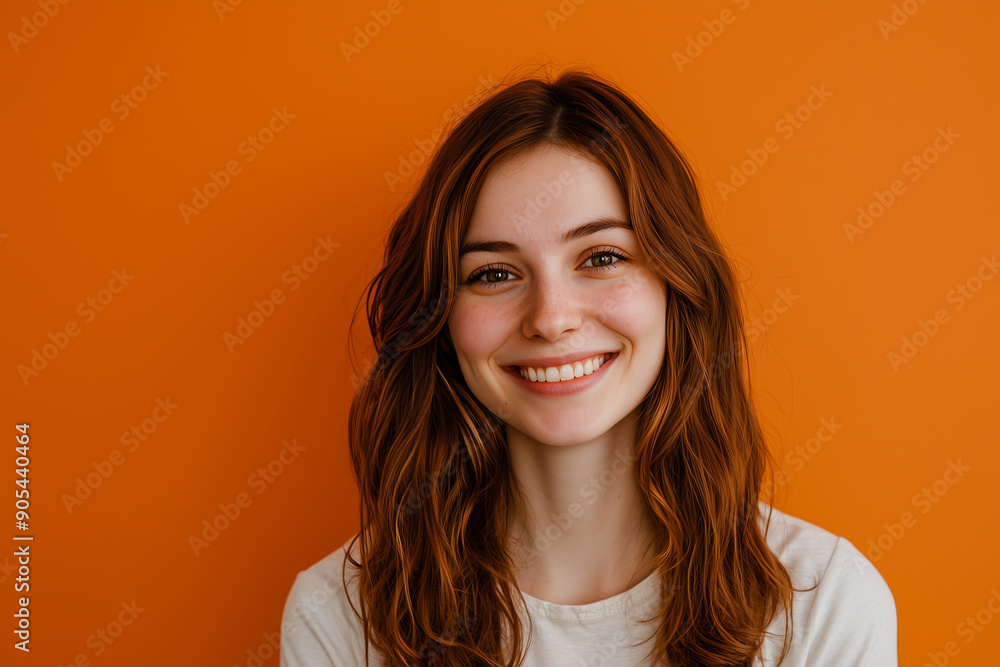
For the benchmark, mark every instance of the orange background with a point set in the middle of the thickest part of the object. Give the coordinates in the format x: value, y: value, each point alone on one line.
x: 162, y: 335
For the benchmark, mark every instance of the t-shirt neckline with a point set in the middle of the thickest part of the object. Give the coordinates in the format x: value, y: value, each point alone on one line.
x: 640, y: 594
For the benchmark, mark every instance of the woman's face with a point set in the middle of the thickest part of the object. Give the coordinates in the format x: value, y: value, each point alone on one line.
x: 551, y: 283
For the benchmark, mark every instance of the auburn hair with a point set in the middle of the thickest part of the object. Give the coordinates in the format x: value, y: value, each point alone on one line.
x: 435, y: 579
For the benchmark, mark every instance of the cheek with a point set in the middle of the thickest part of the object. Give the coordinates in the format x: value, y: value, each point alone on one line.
x: 476, y: 331
x: 638, y: 309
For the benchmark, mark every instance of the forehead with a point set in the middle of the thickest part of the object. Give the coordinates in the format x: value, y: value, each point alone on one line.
x: 546, y: 184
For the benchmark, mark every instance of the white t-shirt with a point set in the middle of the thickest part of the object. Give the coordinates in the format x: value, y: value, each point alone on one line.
x: 849, y: 619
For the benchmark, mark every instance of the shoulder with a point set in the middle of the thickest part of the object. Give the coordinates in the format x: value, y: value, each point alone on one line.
x: 849, y: 613
x: 318, y: 625
x: 813, y: 553
x: 797, y: 543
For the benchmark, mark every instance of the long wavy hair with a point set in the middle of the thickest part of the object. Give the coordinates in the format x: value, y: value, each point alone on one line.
x: 435, y: 571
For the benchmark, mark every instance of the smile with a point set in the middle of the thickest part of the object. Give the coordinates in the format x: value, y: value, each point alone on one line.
x: 565, y: 372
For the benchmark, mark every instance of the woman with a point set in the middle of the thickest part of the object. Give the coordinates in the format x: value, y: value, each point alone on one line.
x: 557, y: 453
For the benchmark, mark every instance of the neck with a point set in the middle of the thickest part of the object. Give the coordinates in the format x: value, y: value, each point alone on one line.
x: 581, y: 533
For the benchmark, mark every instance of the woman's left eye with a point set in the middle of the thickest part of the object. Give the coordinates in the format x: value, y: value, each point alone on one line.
x: 606, y: 253
x: 601, y: 259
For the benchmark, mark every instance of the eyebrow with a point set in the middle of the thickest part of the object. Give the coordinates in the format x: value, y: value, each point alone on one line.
x: 586, y: 229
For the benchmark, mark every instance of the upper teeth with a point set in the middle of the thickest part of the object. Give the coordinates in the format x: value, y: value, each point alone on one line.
x: 564, y: 372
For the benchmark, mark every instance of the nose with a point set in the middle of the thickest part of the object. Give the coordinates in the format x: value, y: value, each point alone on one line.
x: 552, y: 310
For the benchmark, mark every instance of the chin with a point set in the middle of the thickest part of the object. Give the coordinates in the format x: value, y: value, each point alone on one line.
x: 562, y: 438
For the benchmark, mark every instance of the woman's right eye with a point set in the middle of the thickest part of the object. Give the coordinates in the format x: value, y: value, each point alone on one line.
x: 490, y: 272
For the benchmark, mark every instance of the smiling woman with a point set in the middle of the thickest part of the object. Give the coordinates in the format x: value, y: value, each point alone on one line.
x: 562, y: 464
